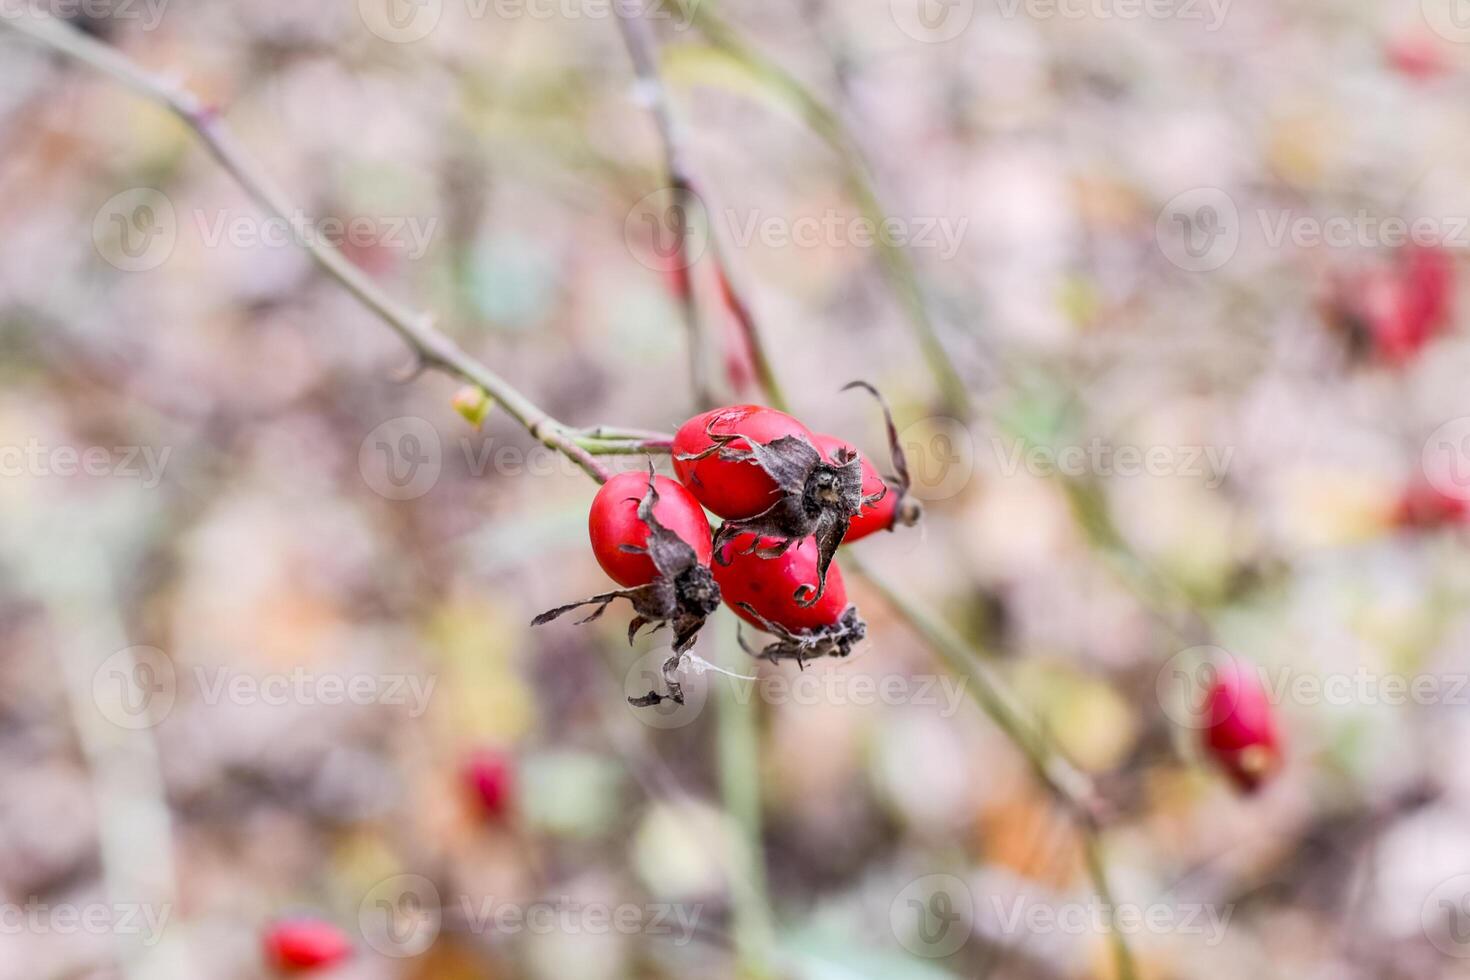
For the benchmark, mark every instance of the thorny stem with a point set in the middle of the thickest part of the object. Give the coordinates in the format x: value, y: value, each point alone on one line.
x: 433, y: 348
x: 1071, y: 787
x: 643, y: 49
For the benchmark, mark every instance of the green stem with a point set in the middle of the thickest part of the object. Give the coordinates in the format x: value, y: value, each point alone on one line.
x: 1072, y: 787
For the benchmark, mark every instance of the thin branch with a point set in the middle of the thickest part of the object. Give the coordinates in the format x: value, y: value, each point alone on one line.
x: 1072, y: 787
x: 897, y: 265
x: 638, y: 39
x: 433, y: 348
x: 643, y: 49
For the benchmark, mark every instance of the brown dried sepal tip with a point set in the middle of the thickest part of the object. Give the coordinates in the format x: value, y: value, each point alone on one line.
x: 907, y: 510
x: 681, y: 596
x: 836, y: 640
x: 818, y: 499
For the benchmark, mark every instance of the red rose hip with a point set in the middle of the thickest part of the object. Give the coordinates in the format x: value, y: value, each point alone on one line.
x: 732, y: 489
x: 1240, y: 731
x: 304, y: 945
x: 613, y: 525
x: 489, y: 779
x: 763, y: 591
x: 891, y: 505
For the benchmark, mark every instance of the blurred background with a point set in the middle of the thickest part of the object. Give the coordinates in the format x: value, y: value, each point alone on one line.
x: 1165, y: 295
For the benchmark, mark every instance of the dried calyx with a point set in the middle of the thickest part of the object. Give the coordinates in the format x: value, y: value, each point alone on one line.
x: 907, y: 510
x: 836, y: 640
x: 818, y: 498
x: 681, y: 596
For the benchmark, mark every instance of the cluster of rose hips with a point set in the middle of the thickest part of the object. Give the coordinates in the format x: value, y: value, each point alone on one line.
x: 789, y: 497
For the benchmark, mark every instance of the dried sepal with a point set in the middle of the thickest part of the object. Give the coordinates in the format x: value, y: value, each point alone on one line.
x: 676, y: 690
x: 836, y: 640
x: 819, y: 497
x: 908, y: 511
x: 681, y: 596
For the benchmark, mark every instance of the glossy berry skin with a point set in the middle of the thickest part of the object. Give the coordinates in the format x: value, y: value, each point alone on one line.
x: 768, y: 585
x: 489, y: 779
x: 614, y: 522
x: 733, y: 490
x: 873, y: 517
x: 1240, y: 725
x: 305, y: 945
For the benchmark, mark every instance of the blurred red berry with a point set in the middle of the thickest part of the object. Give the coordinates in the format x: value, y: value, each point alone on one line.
x: 1423, y: 506
x: 490, y: 778
x: 1391, y: 313
x: 614, y: 526
x: 1416, y: 55
x: 1240, y: 725
x: 762, y: 591
x: 303, y: 945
